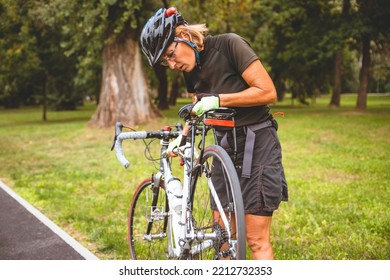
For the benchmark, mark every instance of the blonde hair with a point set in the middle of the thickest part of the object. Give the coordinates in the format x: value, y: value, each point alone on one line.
x: 196, y: 32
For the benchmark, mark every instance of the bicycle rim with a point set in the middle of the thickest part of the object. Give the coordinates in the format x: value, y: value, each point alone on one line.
x: 147, y: 226
x: 224, y: 225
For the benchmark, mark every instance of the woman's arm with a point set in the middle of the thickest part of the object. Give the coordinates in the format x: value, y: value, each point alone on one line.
x: 261, y: 89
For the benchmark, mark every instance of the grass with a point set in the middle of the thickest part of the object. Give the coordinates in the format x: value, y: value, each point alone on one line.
x: 336, y: 163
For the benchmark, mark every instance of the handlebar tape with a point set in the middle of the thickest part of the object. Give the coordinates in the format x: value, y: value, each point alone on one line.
x: 118, y: 145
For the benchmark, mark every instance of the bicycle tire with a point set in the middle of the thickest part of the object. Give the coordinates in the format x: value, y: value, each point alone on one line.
x: 224, y: 247
x: 147, y: 222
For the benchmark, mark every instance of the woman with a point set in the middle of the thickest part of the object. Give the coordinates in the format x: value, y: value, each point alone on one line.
x: 224, y: 71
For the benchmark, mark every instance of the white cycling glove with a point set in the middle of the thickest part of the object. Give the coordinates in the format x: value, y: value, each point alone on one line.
x: 175, y: 144
x: 205, y: 104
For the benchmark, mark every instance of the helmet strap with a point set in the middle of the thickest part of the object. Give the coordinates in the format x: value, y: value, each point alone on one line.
x: 193, y: 46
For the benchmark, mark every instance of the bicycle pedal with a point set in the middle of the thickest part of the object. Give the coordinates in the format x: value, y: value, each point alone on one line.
x: 155, y: 214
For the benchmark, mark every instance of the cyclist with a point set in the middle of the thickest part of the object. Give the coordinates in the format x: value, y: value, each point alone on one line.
x: 224, y: 71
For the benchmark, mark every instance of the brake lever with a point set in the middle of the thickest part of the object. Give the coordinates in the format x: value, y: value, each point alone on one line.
x: 179, y: 126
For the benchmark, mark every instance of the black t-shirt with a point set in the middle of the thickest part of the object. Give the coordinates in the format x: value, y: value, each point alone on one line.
x: 224, y: 58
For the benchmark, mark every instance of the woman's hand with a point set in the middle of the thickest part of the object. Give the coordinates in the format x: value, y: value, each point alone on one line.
x: 174, y: 145
x: 178, y: 142
x: 205, y: 104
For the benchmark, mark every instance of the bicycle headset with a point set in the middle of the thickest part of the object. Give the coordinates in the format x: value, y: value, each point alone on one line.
x: 159, y: 32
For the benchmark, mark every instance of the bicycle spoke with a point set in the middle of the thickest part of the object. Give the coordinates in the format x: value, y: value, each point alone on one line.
x: 148, y: 221
x: 214, y: 208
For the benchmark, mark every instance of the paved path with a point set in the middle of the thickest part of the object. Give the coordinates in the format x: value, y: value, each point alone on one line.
x: 26, y: 234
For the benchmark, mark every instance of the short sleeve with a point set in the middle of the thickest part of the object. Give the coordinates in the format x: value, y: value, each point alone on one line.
x: 240, y: 52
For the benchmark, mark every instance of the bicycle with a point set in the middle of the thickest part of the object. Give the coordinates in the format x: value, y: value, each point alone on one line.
x: 190, y: 220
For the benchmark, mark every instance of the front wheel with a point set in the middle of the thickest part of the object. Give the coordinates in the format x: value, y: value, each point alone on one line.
x: 148, y: 223
x: 217, y: 208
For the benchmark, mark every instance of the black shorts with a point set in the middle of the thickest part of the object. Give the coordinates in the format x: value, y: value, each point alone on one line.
x: 267, y: 187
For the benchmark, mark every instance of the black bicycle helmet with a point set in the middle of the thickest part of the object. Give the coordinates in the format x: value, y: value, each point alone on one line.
x: 159, y: 32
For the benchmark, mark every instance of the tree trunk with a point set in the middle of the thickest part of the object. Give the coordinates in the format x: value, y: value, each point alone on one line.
x: 45, y: 94
x: 175, y: 88
x: 280, y: 90
x: 364, y: 73
x: 345, y: 19
x: 124, y: 95
x: 280, y: 87
x: 162, y: 99
x: 335, y: 100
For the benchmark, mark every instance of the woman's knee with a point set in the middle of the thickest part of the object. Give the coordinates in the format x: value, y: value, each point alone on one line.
x: 258, y: 230
x: 256, y: 241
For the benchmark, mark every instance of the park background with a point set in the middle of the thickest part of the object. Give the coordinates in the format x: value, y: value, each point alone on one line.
x: 70, y: 69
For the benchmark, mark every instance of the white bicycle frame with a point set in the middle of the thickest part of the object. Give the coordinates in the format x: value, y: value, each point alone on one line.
x: 180, y: 229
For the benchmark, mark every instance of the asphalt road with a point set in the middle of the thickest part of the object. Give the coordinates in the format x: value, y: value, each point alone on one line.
x: 26, y: 234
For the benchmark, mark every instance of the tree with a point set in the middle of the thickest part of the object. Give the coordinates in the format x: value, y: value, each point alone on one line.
x: 57, y: 71
x: 373, y: 15
x: 380, y: 68
x: 299, y: 45
x: 18, y: 58
x: 365, y: 10
x: 104, y: 34
x: 162, y: 90
x: 124, y: 95
x: 364, y: 72
x: 343, y: 21
x: 34, y: 68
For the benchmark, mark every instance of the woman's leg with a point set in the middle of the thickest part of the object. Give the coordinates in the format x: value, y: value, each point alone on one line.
x: 258, y: 236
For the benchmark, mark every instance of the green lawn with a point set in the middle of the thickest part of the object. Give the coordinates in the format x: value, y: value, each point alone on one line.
x: 336, y: 162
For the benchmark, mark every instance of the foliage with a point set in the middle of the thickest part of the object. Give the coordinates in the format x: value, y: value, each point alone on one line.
x: 58, y: 42
x: 296, y: 40
x: 380, y: 74
x: 34, y: 63
x: 19, y: 63
x: 57, y: 45
x: 87, y: 27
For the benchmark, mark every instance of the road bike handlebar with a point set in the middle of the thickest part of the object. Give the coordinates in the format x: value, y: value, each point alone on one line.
x: 118, y: 144
x: 215, y: 117
x: 165, y: 134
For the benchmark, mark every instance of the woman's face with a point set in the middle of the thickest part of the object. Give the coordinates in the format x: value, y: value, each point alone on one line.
x: 180, y: 56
